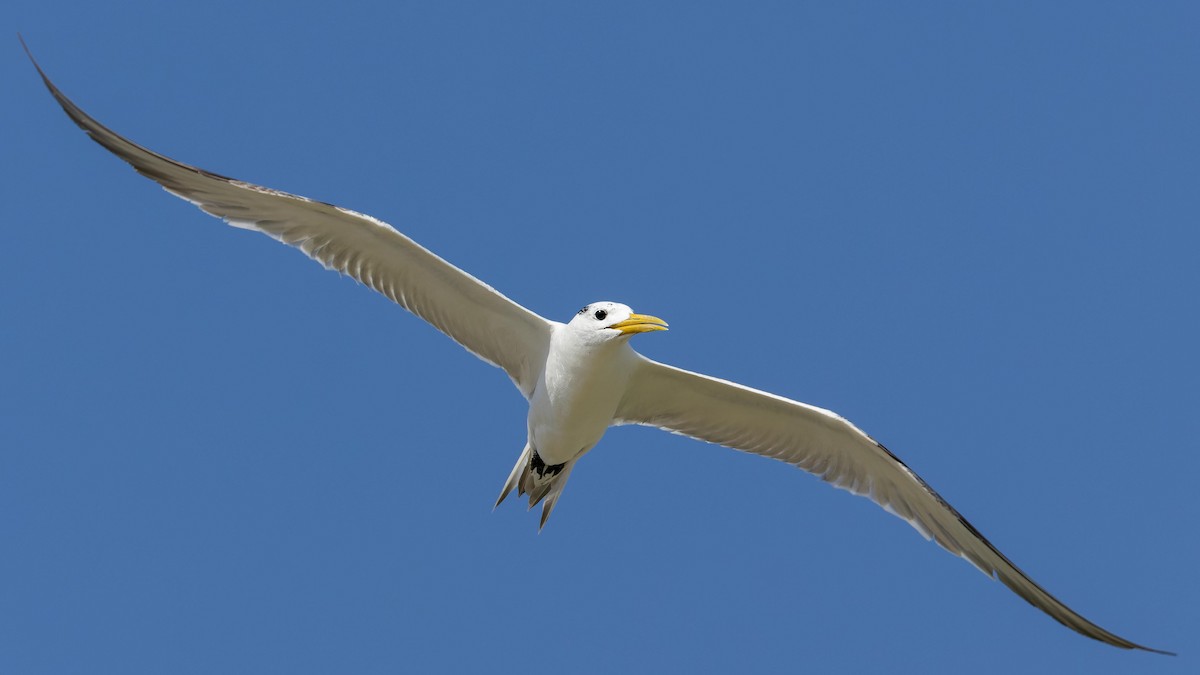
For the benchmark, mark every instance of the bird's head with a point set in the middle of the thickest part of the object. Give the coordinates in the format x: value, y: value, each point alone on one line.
x: 614, y: 320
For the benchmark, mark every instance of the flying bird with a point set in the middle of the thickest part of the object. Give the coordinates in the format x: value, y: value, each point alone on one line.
x: 582, y: 377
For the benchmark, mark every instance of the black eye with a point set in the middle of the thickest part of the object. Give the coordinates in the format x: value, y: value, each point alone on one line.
x: 600, y: 314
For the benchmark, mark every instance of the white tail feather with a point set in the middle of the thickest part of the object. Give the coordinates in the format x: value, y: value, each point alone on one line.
x: 544, y: 487
x: 514, y: 478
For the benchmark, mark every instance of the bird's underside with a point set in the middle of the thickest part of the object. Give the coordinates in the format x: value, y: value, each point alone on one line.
x: 635, y: 390
x: 542, y: 482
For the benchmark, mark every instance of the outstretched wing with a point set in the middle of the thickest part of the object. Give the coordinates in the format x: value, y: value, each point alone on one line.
x: 472, y: 313
x: 827, y: 445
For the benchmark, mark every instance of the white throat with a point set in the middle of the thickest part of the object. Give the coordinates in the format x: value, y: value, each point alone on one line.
x: 578, y: 392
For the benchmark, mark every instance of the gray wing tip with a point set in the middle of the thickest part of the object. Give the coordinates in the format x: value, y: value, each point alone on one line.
x: 141, y: 158
x: 1055, y: 609
x: 1155, y: 651
x: 1152, y: 650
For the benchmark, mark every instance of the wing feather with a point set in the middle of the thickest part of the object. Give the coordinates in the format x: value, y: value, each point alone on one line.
x: 825, y: 444
x: 486, y: 323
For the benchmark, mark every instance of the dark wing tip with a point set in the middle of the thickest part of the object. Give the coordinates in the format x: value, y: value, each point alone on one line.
x: 1154, y: 651
x: 147, y: 162
x: 1071, y: 619
x: 46, y: 80
x: 99, y: 133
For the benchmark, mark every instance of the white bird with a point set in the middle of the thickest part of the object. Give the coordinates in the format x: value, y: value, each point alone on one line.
x: 582, y: 377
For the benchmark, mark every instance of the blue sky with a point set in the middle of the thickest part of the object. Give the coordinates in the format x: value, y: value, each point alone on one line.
x: 969, y: 227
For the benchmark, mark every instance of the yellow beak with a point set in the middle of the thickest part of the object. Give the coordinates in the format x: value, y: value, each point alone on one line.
x: 640, y: 323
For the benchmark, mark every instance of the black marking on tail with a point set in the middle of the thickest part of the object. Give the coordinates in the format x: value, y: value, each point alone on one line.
x: 541, y: 468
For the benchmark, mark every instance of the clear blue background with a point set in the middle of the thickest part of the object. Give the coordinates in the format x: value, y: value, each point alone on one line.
x: 972, y: 228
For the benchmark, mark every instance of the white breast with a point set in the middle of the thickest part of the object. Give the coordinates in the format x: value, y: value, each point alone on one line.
x: 577, y: 394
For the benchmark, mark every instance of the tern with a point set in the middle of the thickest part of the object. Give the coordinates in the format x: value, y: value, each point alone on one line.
x: 582, y: 377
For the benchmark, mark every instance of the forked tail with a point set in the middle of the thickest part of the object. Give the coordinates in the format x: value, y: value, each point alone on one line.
x: 543, y: 482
